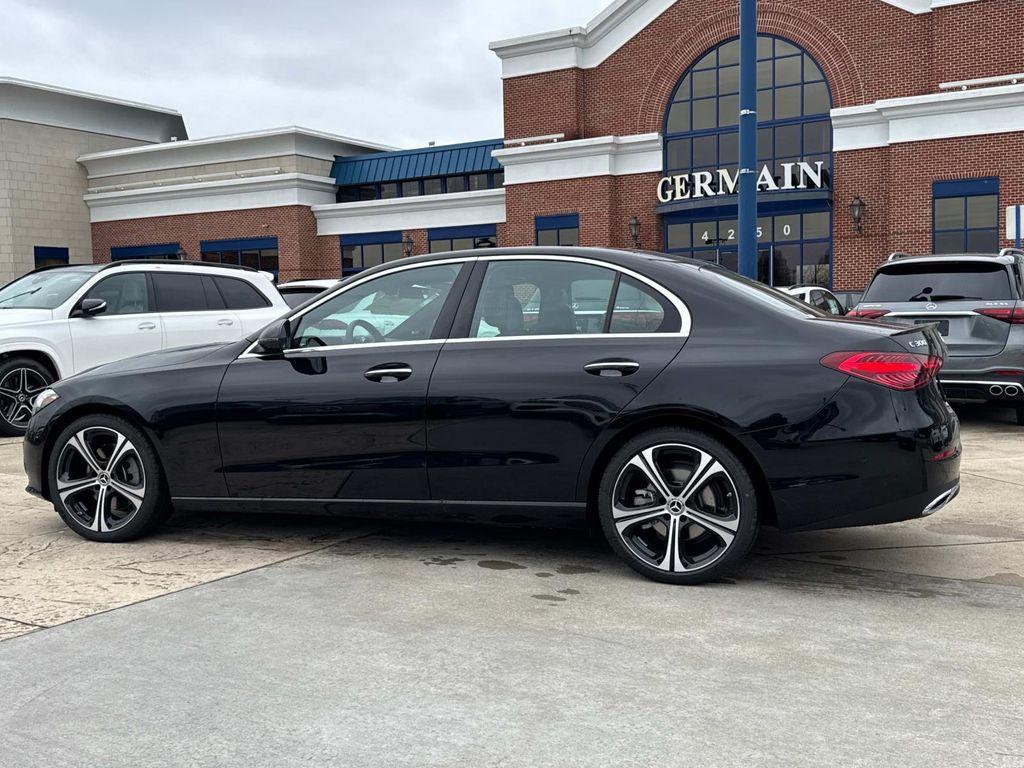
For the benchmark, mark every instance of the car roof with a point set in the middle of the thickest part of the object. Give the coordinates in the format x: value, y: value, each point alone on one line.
x: 308, y: 284
x: 938, y: 258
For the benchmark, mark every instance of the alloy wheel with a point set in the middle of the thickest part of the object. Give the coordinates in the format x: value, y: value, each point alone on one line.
x: 17, y: 390
x: 101, y: 480
x: 676, y: 508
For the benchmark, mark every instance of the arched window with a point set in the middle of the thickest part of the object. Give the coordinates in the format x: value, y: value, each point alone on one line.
x: 701, y: 135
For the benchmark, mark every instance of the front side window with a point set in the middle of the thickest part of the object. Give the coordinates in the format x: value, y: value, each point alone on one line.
x: 43, y: 290
x: 125, y: 294
x: 400, y: 306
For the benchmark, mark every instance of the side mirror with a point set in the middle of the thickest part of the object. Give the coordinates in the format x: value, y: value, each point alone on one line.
x: 273, y: 339
x: 90, y: 308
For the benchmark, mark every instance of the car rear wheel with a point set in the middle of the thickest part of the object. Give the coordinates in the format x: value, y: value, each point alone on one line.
x: 106, y: 481
x: 678, y: 506
x: 21, y: 379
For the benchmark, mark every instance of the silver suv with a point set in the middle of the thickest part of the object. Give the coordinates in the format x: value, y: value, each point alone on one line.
x: 977, y: 302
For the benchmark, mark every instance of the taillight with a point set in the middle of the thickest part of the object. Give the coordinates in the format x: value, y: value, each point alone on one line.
x: 897, y: 370
x: 1013, y: 316
x: 868, y: 314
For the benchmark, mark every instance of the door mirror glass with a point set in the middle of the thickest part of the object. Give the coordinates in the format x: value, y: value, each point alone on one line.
x: 400, y: 306
x: 274, y: 338
x: 90, y: 308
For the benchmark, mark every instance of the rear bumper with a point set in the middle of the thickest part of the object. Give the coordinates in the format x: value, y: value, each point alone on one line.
x: 1001, y: 387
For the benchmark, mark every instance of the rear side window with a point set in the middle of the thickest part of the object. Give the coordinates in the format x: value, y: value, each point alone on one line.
x: 179, y: 292
x: 947, y: 281
x: 239, y: 294
x: 638, y: 309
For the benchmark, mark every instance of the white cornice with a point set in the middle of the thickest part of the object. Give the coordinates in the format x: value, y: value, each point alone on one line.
x: 205, y: 197
x: 977, y: 112
x: 586, y: 47
x: 52, y: 105
x: 252, y: 145
x: 602, y: 156
x: 460, y: 209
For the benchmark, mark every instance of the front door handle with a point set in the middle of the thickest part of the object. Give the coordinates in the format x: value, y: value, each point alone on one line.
x: 147, y: 326
x: 612, y: 367
x: 225, y: 321
x: 389, y: 372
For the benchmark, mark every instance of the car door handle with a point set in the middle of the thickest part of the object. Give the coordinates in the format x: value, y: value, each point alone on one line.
x: 147, y: 326
x: 389, y: 372
x: 225, y: 321
x: 612, y: 367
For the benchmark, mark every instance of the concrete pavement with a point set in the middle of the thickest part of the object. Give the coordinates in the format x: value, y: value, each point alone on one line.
x: 278, y: 641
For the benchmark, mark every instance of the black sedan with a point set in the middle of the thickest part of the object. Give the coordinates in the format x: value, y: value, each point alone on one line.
x: 669, y: 401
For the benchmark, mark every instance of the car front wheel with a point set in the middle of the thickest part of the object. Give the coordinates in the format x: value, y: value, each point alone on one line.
x: 21, y: 379
x: 678, y: 506
x: 106, y: 481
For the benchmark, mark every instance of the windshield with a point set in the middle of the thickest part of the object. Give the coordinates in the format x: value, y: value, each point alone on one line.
x: 43, y: 290
x: 931, y: 282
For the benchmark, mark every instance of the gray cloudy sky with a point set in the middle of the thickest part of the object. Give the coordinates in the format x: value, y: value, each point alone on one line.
x: 402, y: 72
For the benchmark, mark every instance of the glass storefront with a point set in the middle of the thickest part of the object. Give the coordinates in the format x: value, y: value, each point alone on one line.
x: 701, y: 143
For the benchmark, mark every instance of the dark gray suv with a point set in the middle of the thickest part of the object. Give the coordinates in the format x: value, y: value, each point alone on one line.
x: 977, y: 302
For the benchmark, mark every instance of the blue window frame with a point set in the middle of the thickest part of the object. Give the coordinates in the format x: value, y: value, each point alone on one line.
x: 558, y: 230
x: 428, y: 185
x: 965, y: 216
x: 50, y: 256
x: 702, y: 134
x: 442, y: 239
x: 359, y: 252
x: 153, y: 251
x: 256, y: 252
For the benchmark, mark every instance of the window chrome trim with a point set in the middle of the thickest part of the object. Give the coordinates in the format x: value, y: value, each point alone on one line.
x: 685, y: 321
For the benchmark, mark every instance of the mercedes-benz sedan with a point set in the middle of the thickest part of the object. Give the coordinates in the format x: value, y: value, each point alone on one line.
x: 693, y: 407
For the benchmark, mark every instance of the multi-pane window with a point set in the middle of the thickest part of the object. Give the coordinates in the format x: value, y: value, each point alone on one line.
x: 558, y: 230
x: 444, y: 239
x: 965, y: 216
x: 50, y: 256
x: 434, y: 185
x: 793, y: 104
x: 360, y: 252
x: 257, y: 253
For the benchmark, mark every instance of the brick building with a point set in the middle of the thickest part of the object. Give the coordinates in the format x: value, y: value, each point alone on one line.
x: 912, y: 108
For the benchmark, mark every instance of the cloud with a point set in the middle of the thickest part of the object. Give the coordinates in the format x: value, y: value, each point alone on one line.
x: 395, y: 71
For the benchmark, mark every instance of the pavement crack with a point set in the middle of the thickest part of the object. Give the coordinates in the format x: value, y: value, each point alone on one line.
x: 23, y: 623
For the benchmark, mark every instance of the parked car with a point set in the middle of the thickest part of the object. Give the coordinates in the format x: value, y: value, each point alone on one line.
x: 296, y: 292
x: 740, y: 406
x: 816, y: 296
x: 976, y: 302
x: 58, y: 321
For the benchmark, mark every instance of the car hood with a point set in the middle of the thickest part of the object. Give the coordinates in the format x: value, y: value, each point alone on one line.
x: 21, y: 316
x: 170, y: 358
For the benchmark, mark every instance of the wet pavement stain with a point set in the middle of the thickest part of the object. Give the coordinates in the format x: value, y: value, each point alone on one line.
x: 573, y: 570
x: 1006, y: 579
x: 549, y: 598
x: 568, y: 591
x: 988, y: 531
x: 442, y: 560
x: 543, y: 575
x: 501, y: 565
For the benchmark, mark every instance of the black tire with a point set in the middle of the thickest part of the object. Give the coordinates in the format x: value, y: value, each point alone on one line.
x: 124, y: 518
x: 731, y: 491
x: 21, y: 379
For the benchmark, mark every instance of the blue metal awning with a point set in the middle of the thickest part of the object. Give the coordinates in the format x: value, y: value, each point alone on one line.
x: 454, y: 159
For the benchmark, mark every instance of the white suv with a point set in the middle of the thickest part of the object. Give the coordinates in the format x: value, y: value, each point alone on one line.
x: 55, y: 322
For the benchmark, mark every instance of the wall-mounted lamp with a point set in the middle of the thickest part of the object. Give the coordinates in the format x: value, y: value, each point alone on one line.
x: 407, y: 246
x: 857, y: 208
x: 634, y: 231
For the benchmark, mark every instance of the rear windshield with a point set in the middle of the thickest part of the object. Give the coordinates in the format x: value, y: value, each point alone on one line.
x: 953, y: 281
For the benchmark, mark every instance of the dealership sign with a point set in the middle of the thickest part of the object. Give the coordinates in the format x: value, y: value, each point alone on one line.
x: 702, y: 183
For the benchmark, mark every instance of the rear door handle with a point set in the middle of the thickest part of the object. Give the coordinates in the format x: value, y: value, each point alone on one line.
x: 389, y: 372
x: 147, y: 326
x: 225, y: 321
x: 612, y: 367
